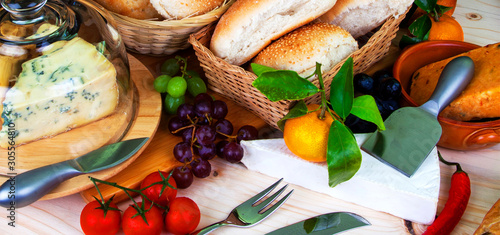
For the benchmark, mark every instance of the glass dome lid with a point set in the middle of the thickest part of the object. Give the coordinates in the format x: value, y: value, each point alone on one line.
x: 36, y: 22
x: 64, y: 79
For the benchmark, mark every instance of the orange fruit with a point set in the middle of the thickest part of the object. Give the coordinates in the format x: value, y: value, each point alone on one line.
x: 446, y: 28
x: 307, y: 136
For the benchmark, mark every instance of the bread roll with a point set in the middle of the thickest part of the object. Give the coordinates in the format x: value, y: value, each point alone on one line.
x: 361, y: 16
x: 178, y: 9
x: 138, y: 9
x: 249, y: 26
x: 300, y: 49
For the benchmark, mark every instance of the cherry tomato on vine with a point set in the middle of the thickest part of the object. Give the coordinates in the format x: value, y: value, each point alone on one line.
x: 159, y: 193
x: 100, y: 219
x: 134, y: 224
x: 183, y: 216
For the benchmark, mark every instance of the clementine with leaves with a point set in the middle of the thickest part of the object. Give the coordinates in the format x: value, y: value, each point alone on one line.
x: 452, y: 4
x: 433, y: 21
x: 316, y: 132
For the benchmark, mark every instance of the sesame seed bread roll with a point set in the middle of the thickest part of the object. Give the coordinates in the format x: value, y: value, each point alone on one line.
x: 300, y: 49
x: 179, y: 9
x: 359, y: 17
x: 249, y: 26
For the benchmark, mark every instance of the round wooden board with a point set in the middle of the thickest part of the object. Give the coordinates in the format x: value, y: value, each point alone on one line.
x: 145, y: 124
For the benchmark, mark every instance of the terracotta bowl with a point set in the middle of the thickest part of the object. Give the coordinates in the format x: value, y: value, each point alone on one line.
x: 456, y: 134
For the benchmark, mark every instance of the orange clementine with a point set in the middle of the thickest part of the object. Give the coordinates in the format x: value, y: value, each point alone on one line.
x: 446, y: 28
x: 307, y: 136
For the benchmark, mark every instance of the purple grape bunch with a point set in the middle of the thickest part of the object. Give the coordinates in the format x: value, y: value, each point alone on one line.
x: 205, y: 134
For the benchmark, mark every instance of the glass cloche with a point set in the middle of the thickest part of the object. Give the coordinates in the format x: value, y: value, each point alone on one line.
x: 64, y: 79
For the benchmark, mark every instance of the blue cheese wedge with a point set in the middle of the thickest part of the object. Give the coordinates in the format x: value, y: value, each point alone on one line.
x: 375, y: 186
x: 71, y: 84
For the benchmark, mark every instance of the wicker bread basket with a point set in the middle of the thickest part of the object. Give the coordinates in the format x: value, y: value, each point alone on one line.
x: 157, y: 38
x: 235, y: 83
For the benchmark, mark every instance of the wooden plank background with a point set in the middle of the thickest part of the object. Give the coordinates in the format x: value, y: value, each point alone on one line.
x: 217, y: 195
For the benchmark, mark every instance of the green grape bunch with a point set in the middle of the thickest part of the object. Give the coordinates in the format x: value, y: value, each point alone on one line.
x: 175, y: 81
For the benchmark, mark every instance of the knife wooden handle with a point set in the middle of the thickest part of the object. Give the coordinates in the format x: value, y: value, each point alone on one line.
x: 23, y: 189
x: 455, y: 76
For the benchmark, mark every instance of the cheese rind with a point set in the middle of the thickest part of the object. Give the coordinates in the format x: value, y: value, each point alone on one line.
x: 70, y: 85
x: 375, y: 186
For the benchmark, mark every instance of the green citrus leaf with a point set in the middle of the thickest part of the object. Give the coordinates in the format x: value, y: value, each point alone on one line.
x: 426, y: 5
x: 260, y: 69
x: 421, y: 26
x: 408, y: 41
x: 284, y: 85
x: 426, y: 36
x: 442, y: 9
x: 342, y: 90
x: 342, y: 155
x: 366, y: 108
x: 299, y: 109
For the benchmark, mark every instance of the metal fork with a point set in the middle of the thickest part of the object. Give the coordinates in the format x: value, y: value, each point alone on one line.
x: 249, y: 212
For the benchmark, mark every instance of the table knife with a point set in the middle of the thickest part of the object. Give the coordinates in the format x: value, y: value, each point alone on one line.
x: 23, y: 189
x: 325, y: 224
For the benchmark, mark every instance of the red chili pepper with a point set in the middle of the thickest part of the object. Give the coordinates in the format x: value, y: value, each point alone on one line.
x: 454, y: 208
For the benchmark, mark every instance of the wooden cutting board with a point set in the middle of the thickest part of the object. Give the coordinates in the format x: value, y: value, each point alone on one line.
x: 144, y: 124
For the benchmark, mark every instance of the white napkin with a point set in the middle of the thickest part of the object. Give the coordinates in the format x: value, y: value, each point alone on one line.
x: 375, y: 186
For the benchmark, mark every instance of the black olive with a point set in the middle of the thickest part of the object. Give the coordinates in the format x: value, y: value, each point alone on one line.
x: 351, y: 120
x: 363, y: 83
x: 379, y: 75
x: 358, y: 125
x: 389, y: 88
x: 388, y: 106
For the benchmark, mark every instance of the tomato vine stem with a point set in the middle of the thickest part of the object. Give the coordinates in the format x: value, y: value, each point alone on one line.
x: 128, y: 190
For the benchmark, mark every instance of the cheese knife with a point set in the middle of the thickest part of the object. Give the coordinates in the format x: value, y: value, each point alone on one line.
x: 23, y: 189
x: 326, y: 224
x: 412, y: 132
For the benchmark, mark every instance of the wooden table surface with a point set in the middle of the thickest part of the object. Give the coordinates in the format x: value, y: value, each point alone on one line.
x: 218, y: 194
